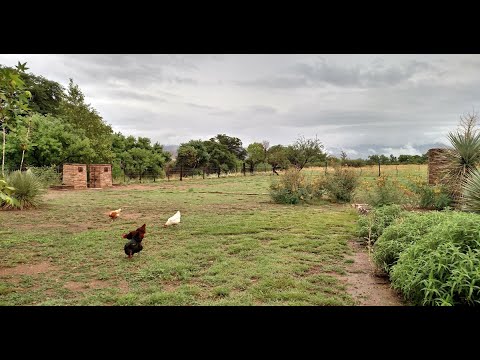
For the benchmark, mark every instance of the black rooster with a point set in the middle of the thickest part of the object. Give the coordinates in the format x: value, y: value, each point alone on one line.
x: 135, y: 241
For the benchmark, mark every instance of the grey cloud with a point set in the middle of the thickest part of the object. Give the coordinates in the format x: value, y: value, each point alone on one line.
x: 322, y: 73
x: 261, y: 109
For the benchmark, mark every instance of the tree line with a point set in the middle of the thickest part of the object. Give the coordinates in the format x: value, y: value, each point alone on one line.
x: 45, y: 124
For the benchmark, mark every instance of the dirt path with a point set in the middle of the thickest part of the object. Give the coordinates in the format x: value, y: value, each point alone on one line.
x: 365, y: 285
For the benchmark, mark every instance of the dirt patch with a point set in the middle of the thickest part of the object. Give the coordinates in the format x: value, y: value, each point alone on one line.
x: 26, y: 269
x: 79, y: 286
x: 364, y: 284
x: 123, y: 286
x: 171, y: 286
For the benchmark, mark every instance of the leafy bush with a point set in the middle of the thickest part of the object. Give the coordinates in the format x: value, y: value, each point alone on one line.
x: 28, y: 189
x: 443, y: 266
x: 341, y: 185
x: 47, y: 175
x: 435, y: 197
x: 403, y: 233
x: 373, y: 225
x: 6, y: 200
x: 387, y: 191
x: 291, y: 188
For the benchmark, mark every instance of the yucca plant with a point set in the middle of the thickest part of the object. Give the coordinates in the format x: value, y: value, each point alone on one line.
x: 459, y: 161
x: 471, y: 192
x: 28, y: 189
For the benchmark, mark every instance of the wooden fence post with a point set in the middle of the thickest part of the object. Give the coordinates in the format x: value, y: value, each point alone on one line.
x: 181, y: 172
x: 379, y: 167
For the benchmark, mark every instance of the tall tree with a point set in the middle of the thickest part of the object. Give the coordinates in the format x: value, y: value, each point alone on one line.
x: 82, y: 116
x: 233, y: 144
x: 13, y: 100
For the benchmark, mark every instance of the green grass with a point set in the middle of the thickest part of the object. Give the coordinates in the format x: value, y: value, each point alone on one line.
x: 232, y: 247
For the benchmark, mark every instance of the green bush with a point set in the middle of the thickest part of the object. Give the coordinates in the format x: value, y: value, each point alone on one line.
x: 47, y: 175
x: 372, y: 226
x: 291, y: 188
x: 435, y: 197
x: 400, y: 235
x: 341, y: 185
x: 442, y: 267
x: 386, y: 191
x: 28, y: 189
x: 6, y: 200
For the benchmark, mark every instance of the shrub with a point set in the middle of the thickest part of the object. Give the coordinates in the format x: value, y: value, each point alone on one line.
x: 400, y: 235
x: 291, y: 188
x: 340, y: 185
x: 6, y: 200
x: 387, y: 191
x: 373, y: 225
x: 28, y: 189
x: 442, y: 267
x: 435, y: 197
x: 47, y: 175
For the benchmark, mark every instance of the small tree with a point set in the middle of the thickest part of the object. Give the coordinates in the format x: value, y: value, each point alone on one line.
x: 343, y: 156
x: 13, y: 100
x: 305, y: 150
x: 255, y: 155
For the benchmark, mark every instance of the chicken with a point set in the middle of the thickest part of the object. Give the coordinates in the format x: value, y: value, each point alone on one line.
x: 174, y: 220
x: 114, y: 214
x: 134, y: 244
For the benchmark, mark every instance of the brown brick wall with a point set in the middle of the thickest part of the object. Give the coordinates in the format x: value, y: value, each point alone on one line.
x: 73, y: 177
x: 100, y: 175
x: 434, y: 165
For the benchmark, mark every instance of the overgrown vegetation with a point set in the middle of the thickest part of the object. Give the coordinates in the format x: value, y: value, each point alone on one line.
x: 292, y: 187
x: 340, y: 186
x: 372, y: 225
x: 404, y: 232
x: 442, y: 267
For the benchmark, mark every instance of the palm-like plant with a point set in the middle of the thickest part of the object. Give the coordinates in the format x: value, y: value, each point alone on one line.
x: 28, y: 189
x: 459, y: 161
x: 471, y: 192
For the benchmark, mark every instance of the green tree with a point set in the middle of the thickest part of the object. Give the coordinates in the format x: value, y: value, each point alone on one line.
x: 82, y: 116
x: 277, y: 157
x: 255, y: 155
x: 233, y: 144
x: 304, y: 151
x: 220, y: 158
x: 13, y: 101
x: 193, y: 154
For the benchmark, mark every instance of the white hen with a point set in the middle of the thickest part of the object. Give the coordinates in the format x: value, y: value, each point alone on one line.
x: 174, y: 220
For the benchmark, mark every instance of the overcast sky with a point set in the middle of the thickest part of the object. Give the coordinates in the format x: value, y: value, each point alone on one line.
x: 377, y: 103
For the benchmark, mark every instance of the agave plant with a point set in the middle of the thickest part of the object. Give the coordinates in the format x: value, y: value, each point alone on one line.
x: 28, y: 189
x: 471, y: 192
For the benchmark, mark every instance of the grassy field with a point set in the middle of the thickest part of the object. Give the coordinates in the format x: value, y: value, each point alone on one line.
x: 233, y: 247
